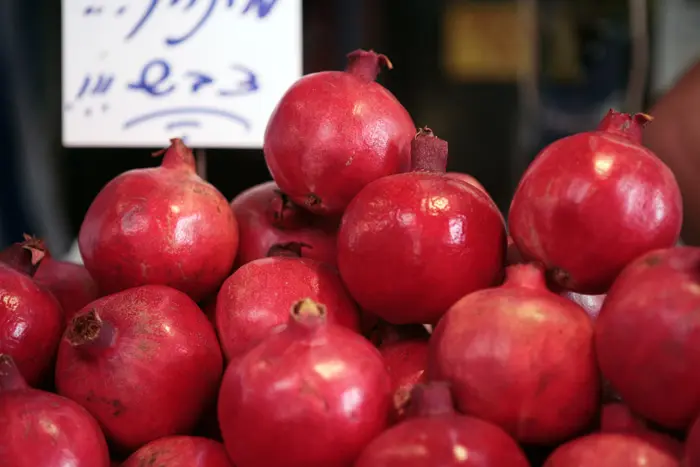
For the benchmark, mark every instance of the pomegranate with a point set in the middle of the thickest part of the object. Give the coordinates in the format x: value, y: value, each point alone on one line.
x: 406, y: 359
x: 410, y: 245
x: 513, y: 256
x: 31, y: 319
x: 312, y: 395
x: 267, y: 217
x: 467, y: 179
x: 257, y: 298
x: 618, y: 418
x: 40, y: 429
x: 610, y: 450
x: 520, y: 356
x: 70, y: 283
x: 162, y: 225
x: 384, y: 333
x: 333, y: 132
x: 592, y: 202
x: 180, y: 451
x: 647, y: 336
x: 144, y: 362
x: 436, y: 435
x: 692, y: 446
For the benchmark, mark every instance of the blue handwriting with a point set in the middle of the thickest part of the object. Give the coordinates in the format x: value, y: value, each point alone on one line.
x: 262, y: 8
x: 157, y: 80
x: 95, y: 87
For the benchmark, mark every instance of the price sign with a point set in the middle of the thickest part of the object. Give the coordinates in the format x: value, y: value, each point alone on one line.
x: 138, y: 72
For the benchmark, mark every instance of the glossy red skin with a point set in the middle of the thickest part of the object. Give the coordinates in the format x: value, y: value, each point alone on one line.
x: 654, y: 368
x: 535, y: 376
x: 406, y: 362
x: 618, y: 418
x: 258, y: 297
x: 610, y: 450
x: 408, y: 259
x: 180, y: 451
x: 591, y: 203
x: 692, y: 446
x: 467, y: 179
x: 159, y: 226
x: 513, y: 256
x: 331, y: 134
x: 258, y: 233
x: 40, y: 429
x: 436, y: 441
x: 31, y: 324
x: 158, y: 377
x: 305, y: 397
x: 70, y: 283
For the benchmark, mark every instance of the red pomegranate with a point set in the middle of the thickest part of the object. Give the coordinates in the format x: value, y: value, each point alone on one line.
x: 592, y: 202
x: 310, y: 395
x: 406, y: 359
x: 334, y: 132
x: 520, y: 356
x: 654, y: 366
x: 435, y: 435
x: 610, y: 450
x: 162, y: 225
x: 513, y: 256
x: 31, y: 319
x: 40, y: 429
x: 467, y: 179
x: 180, y: 451
x: 410, y: 245
x: 618, y: 418
x: 267, y: 217
x: 144, y: 362
x: 257, y: 297
x: 692, y: 446
x: 70, y: 283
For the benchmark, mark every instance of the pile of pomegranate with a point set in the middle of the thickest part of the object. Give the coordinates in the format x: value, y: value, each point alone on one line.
x: 291, y: 326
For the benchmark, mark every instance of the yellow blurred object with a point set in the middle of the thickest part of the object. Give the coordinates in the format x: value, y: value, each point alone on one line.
x: 489, y: 42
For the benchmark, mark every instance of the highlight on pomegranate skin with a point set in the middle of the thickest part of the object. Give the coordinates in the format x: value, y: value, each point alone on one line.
x: 333, y: 132
x: 592, y: 202
x: 162, y: 226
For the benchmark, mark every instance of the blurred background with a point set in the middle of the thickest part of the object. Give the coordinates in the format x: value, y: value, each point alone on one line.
x: 498, y: 79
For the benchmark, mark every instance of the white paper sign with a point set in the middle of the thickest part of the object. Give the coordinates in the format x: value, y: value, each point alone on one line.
x: 138, y: 72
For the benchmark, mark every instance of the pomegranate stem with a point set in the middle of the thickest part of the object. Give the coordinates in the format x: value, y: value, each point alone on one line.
x: 284, y: 214
x: 428, y: 152
x: 10, y: 377
x: 90, y: 334
x: 366, y: 65
x: 529, y: 275
x: 625, y: 125
x: 431, y: 399
x: 177, y: 156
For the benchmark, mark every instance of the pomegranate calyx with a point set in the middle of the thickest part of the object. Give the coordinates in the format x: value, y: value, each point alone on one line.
x: 308, y: 313
x: 429, y: 400
x: 428, y: 152
x: 177, y: 156
x: 625, y: 125
x: 528, y: 275
x: 90, y: 333
x: 289, y: 249
x: 10, y: 377
x: 283, y: 214
x: 366, y: 65
x: 25, y: 256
